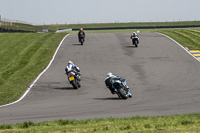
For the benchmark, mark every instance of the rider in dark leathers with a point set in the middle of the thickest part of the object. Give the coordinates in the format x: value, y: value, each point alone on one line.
x: 81, y: 32
x: 109, y: 80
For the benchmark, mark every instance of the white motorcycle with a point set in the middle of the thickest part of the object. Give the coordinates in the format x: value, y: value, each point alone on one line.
x: 135, y: 40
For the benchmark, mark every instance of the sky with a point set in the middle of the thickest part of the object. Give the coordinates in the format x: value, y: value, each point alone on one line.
x: 39, y: 12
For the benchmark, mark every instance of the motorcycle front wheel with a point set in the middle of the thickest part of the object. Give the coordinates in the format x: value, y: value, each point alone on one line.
x: 122, y: 92
x: 79, y: 84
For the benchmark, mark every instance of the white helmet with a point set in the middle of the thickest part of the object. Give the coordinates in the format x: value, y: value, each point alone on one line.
x: 69, y: 62
x: 109, y: 74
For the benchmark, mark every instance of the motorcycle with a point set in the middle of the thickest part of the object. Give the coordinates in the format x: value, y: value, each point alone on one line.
x: 135, y: 41
x: 120, y: 89
x: 81, y: 39
x: 74, y: 79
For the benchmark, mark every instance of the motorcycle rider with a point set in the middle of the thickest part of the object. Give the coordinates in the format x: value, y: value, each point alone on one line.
x: 72, y: 67
x: 109, y: 80
x: 134, y: 35
x: 81, y: 32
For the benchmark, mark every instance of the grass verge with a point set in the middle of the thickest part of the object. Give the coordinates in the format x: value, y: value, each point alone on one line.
x: 168, y: 124
x: 105, y: 25
x: 188, y: 37
x: 21, y: 26
x: 53, y: 28
x: 22, y: 57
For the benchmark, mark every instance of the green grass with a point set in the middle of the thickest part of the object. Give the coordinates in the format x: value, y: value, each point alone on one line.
x: 103, y: 25
x: 189, y: 38
x: 53, y: 28
x: 167, y: 124
x: 20, y: 26
x: 22, y: 57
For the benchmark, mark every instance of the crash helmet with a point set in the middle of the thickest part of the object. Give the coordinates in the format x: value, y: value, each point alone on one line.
x: 69, y: 62
x: 109, y: 74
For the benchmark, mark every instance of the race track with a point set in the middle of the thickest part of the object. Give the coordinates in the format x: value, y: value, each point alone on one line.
x: 163, y: 77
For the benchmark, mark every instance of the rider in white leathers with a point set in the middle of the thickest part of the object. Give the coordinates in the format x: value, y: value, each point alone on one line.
x: 134, y: 35
x: 72, y: 67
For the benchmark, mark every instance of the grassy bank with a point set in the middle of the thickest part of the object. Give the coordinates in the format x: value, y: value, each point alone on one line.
x: 22, y: 57
x: 168, y: 124
x: 53, y: 28
x: 187, y: 37
x: 21, y: 26
x: 104, y: 25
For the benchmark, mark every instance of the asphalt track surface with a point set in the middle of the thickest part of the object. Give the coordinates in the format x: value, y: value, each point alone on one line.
x: 163, y: 77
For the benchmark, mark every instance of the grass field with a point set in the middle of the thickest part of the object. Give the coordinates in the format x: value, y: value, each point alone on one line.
x: 24, y: 55
x: 53, y: 28
x: 168, y: 124
x: 20, y: 26
x: 104, y: 25
x: 189, y: 38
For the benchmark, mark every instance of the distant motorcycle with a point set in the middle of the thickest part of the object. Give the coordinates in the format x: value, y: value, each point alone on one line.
x: 81, y: 39
x: 135, y: 40
x: 120, y: 88
x: 74, y: 79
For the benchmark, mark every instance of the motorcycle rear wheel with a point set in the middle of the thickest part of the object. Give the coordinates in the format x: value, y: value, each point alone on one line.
x: 74, y: 84
x: 136, y: 43
x: 81, y: 41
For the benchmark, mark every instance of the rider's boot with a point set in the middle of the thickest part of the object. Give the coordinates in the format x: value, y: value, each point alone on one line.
x: 129, y: 94
x: 78, y: 77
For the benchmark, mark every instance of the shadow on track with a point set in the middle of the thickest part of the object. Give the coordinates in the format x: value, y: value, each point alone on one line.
x: 65, y: 88
x: 109, y: 98
x: 130, y: 46
x: 77, y: 44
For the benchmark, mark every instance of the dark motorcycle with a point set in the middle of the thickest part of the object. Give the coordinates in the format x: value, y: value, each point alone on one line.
x: 74, y: 80
x: 81, y: 39
x: 120, y: 88
x: 135, y: 41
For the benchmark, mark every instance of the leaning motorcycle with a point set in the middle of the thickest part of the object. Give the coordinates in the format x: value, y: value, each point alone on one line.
x: 74, y: 79
x: 120, y: 88
x: 135, y: 41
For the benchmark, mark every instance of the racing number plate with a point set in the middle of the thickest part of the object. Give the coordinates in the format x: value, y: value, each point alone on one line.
x: 71, y: 78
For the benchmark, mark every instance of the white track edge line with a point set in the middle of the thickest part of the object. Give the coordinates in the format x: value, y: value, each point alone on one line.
x: 179, y: 45
x: 29, y: 88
